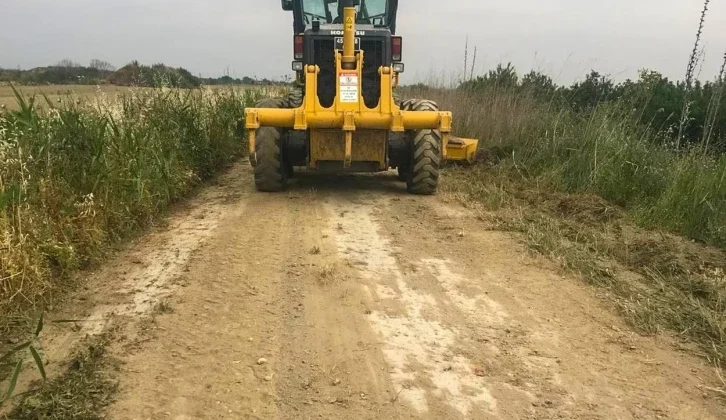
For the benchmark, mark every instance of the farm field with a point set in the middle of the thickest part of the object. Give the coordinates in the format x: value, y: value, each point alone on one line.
x: 56, y: 92
x: 88, y: 94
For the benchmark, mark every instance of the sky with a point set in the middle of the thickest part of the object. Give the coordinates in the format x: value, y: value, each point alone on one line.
x: 562, y: 38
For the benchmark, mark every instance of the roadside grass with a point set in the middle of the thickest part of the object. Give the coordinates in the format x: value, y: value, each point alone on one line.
x: 58, y: 92
x: 605, y: 152
x: 82, y: 392
x: 606, y: 198
x: 77, y: 176
x: 658, y: 281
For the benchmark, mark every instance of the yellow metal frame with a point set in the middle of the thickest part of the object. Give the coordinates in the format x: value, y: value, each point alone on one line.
x: 352, y: 115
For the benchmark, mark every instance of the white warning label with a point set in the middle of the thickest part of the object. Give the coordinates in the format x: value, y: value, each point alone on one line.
x: 348, y: 87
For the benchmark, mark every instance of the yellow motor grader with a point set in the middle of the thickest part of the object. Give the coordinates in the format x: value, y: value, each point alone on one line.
x: 344, y: 115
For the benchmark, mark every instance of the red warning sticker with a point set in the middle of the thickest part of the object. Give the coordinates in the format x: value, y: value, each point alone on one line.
x: 348, y: 87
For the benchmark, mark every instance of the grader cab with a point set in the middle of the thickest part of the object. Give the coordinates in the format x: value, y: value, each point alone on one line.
x: 344, y: 115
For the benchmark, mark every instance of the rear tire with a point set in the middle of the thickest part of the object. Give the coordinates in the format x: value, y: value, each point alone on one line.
x: 270, y: 174
x: 295, y: 98
x: 402, y: 173
x: 270, y: 103
x: 422, y: 175
x: 423, y: 178
x: 397, y: 99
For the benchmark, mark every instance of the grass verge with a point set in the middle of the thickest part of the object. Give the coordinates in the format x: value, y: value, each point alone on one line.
x: 606, y: 197
x: 658, y: 281
x: 81, y: 393
x: 79, y: 174
x: 604, y: 151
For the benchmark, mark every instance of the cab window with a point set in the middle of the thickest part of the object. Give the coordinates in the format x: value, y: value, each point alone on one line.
x: 370, y: 12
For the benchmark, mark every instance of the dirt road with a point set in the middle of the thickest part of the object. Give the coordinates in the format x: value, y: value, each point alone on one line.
x: 349, y: 299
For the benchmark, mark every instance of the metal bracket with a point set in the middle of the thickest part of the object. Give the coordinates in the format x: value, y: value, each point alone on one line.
x: 300, y: 120
x: 252, y: 119
x: 446, y: 122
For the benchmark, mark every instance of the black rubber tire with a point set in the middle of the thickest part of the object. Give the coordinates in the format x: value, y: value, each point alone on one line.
x: 426, y: 161
x: 271, y: 103
x: 397, y: 99
x: 295, y: 98
x: 270, y: 174
x: 402, y: 173
x: 423, y: 173
x: 419, y: 105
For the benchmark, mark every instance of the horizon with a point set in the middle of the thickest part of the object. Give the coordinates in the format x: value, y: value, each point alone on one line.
x: 433, y: 80
x: 563, y: 39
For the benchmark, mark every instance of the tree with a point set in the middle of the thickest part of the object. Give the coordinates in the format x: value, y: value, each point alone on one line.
x: 504, y: 78
x: 101, y: 65
x: 538, y: 85
x: 595, y: 89
x: 68, y: 63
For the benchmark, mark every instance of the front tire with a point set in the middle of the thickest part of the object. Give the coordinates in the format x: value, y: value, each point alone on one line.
x: 402, y: 173
x: 423, y: 178
x: 422, y: 174
x: 270, y: 175
x: 295, y: 98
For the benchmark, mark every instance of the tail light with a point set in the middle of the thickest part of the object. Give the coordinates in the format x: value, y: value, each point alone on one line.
x: 396, y: 48
x: 299, y: 43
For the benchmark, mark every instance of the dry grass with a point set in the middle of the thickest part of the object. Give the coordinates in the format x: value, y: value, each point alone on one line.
x: 81, y: 393
x: 329, y: 274
x: 659, y: 282
x: 59, y: 93
x: 596, y: 192
x: 603, y: 151
x: 88, y: 94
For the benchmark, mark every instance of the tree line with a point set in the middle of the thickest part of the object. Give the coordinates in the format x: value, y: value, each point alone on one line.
x: 133, y: 74
x: 655, y: 100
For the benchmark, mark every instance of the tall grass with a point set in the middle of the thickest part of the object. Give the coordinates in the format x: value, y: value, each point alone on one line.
x: 76, y: 176
x: 604, y: 151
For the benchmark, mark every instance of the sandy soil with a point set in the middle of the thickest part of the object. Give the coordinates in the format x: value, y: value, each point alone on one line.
x: 346, y: 298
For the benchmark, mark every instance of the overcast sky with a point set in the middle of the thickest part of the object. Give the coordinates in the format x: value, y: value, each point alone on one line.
x: 563, y: 38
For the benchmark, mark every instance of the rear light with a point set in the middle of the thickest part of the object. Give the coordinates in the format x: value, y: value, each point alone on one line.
x: 297, y: 66
x: 398, y: 67
x: 299, y: 43
x: 396, y: 48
